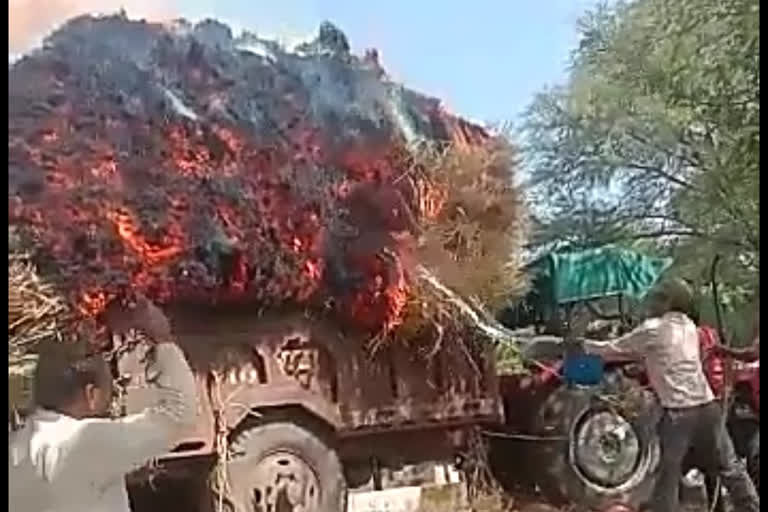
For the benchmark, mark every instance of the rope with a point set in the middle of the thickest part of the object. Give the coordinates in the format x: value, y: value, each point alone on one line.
x: 221, y: 476
x: 523, y: 437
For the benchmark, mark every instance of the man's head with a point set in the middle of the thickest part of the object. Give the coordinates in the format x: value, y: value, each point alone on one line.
x: 70, y: 381
x: 670, y: 295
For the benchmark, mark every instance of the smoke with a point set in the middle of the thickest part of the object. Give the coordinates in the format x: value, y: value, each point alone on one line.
x: 29, y: 21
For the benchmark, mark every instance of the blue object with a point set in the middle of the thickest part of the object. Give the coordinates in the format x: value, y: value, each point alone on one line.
x: 583, y: 369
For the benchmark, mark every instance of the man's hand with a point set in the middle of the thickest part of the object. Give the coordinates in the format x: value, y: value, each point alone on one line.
x: 573, y: 346
x: 140, y: 314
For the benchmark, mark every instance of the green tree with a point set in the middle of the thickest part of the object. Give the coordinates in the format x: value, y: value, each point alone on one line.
x: 655, y: 137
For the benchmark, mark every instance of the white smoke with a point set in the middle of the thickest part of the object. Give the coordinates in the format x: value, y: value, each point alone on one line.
x: 29, y: 21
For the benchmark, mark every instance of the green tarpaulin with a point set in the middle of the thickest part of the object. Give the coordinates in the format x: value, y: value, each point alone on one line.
x: 563, y: 277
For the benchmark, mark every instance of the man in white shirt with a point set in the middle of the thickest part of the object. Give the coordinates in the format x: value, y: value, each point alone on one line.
x: 70, y: 457
x: 668, y: 344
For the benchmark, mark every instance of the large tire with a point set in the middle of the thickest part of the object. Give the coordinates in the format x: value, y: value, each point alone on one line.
x: 283, y: 467
x: 753, y: 460
x: 605, y: 455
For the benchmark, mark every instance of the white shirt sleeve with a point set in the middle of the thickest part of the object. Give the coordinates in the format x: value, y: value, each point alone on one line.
x: 102, y: 450
x: 632, y: 346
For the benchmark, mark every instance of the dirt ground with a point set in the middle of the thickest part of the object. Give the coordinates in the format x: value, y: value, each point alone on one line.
x: 189, y: 496
x: 526, y: 503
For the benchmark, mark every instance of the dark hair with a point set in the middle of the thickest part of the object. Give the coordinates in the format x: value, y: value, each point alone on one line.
x: 695, y: 314
x: 63, y: 371
x: 676, y: 293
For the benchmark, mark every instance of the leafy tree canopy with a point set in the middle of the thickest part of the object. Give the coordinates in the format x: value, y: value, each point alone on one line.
x: 654, y: 140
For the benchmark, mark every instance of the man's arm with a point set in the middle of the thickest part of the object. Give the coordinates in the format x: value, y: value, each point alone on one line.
x: 630, y: 347
x: 108, y: 449
x: 116, y: 447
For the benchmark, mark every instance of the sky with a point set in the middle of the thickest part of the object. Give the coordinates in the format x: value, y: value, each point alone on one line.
x: 484, y: 58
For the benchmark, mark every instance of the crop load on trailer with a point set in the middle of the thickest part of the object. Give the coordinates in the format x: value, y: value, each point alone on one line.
x: 196, y: 166
x: 311, y: 227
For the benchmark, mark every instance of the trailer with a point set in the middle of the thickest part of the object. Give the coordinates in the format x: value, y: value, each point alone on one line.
x: 304, y: 409
x: 302, y: 412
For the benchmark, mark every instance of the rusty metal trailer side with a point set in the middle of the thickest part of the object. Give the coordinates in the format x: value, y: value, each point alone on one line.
x: 388, y: 409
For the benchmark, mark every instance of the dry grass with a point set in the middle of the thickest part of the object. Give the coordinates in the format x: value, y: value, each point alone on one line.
x: 486, y: 494
x: 473, y: 242
x: 499, y: 502
x: 474, y: 223
x: 36, y: 310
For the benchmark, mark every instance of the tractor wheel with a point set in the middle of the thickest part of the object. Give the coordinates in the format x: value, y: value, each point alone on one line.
x: 605, y: 454
x: 282, y: 467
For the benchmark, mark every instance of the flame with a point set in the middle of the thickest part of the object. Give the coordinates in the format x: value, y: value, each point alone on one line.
x: 153, y: 254
x: 179, y: 207
x: 92, y: 303
x: 105, y: 169
x: 312, y: 269
x: 431, y: 200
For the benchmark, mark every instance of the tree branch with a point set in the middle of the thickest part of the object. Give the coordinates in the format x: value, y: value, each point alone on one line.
x: 661, y: 174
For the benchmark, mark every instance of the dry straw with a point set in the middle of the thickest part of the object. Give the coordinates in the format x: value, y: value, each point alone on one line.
x: 36, y: 310
x: 474, y: 225
x: 474, y: 242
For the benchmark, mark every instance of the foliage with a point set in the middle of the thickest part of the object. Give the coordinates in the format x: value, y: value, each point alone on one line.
x: 654, y: 140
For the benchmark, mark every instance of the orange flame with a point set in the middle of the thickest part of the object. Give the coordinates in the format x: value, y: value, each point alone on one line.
x: 89, y: 215
x: 153, y: 254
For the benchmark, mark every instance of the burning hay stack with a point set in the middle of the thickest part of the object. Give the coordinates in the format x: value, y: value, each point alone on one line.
x: 196, y: 166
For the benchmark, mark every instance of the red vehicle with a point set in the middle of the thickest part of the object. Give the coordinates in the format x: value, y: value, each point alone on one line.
x: 743, y: 397
x: 594, y: 444
x: 744, y: 415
